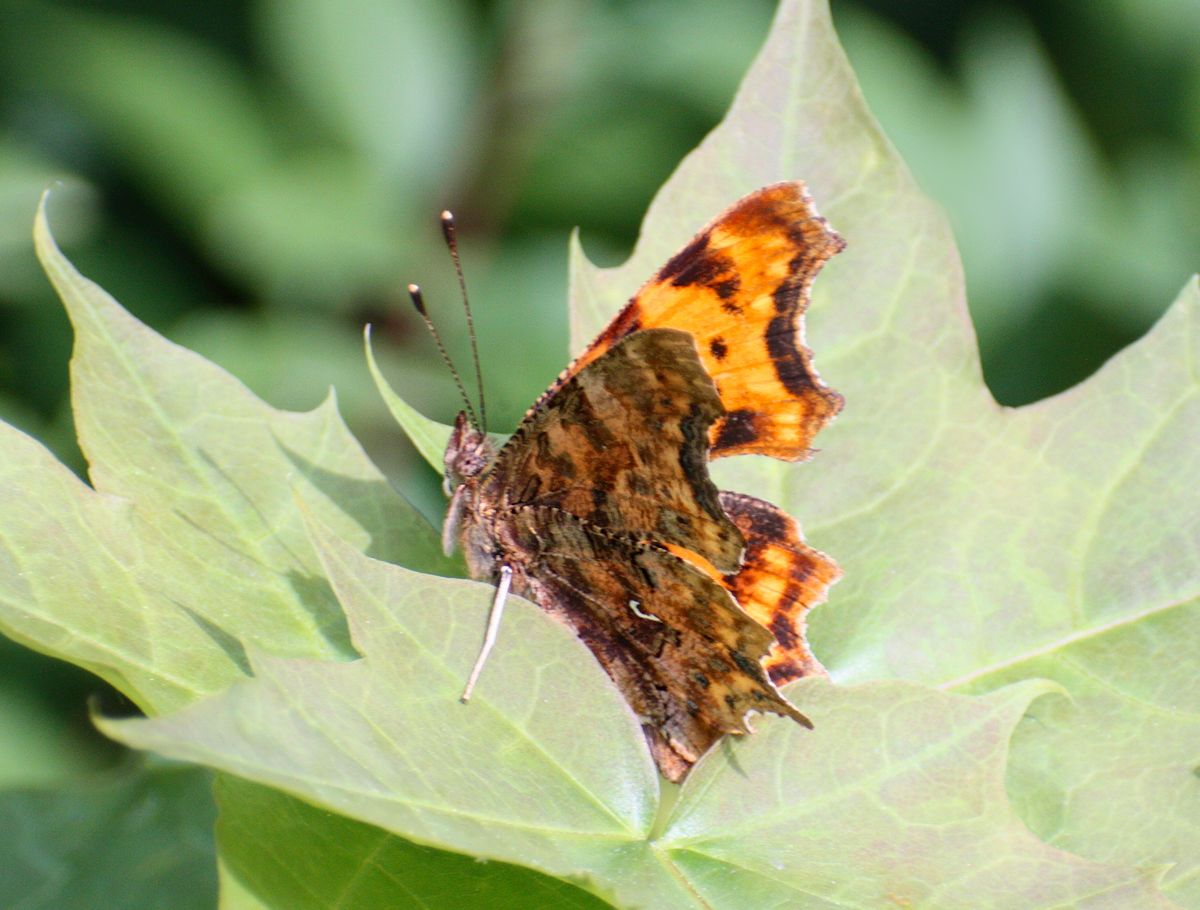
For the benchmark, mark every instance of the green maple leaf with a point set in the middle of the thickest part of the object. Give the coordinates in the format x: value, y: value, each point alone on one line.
x: 215, y: 572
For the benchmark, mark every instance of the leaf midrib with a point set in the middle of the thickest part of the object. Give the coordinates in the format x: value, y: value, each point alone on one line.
x: 1061, y: 643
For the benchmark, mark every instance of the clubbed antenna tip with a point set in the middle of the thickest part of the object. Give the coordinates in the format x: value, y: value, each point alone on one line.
x: 418, y: 301
x: 451, y: 237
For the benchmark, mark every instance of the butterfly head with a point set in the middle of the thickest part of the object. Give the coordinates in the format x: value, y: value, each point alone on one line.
x: 468, y: 453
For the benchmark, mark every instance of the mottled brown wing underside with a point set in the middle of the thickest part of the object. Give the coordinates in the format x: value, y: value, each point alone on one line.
x: 686, y: 658
x: 741, y: 287
x: 588, y: 494
x: 625, y: 447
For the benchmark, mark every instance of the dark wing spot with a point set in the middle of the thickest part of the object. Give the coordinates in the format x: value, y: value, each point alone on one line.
x: 703, y: 271
x: 781, y: 628
x: 719, y: 348
x: 747, y: 665
x: 728, y: 287
x: 731, y: 308
x: 789, y: 363
x: 738, y: 429
x: 697, y: 264
x: 787, y: 295
x: 785, y: 671
x: 800, y: 571
x: 758, y: 517
x: 684, y: 259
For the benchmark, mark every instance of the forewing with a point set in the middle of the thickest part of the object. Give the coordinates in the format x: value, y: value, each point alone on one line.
x: 685, y: 656
x: 623, y: 444
x: 741, y: 287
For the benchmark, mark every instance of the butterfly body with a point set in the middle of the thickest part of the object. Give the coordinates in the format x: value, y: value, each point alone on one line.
x: 601, y: 507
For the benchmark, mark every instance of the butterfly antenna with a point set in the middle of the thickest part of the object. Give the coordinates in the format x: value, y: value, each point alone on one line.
x: 414, y: 293
x: 451, y: 236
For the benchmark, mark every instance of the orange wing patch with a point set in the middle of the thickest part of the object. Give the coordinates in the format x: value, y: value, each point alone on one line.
x: 780, y: 580
x: 741, y: 288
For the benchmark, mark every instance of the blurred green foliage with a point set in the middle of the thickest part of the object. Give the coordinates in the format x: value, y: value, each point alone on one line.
x: 145, y: 824
x: 258, y: 179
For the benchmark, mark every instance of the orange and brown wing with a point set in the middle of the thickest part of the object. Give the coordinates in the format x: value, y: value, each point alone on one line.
x: 686, y: 658
x: 780, y: 580
x: 588, y: 496
x: 623, y: 445
x: 740, y: 289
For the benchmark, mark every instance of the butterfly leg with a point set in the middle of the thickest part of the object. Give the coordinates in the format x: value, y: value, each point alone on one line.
x: 493, y: 626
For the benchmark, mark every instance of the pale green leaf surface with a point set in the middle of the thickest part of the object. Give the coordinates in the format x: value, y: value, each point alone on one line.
x: 899, y: 790
x: 896, y: 799
x: 75, y: 567
x: 1112, y: 774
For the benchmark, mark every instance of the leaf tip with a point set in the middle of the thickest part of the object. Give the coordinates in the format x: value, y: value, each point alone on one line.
x: 43, y: 239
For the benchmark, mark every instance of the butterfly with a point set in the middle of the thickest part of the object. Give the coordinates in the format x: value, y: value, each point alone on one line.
x: 600, y: 507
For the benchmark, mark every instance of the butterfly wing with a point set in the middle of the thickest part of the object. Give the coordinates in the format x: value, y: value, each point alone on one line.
x: 687, y: 659
x: 623, y: 445
x: 589, y: 493
x: 741, y: 287
x: 601, y: 501
x: 780, y: 580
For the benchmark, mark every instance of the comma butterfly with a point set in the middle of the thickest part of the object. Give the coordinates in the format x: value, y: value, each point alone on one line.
x: 600, y: 507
